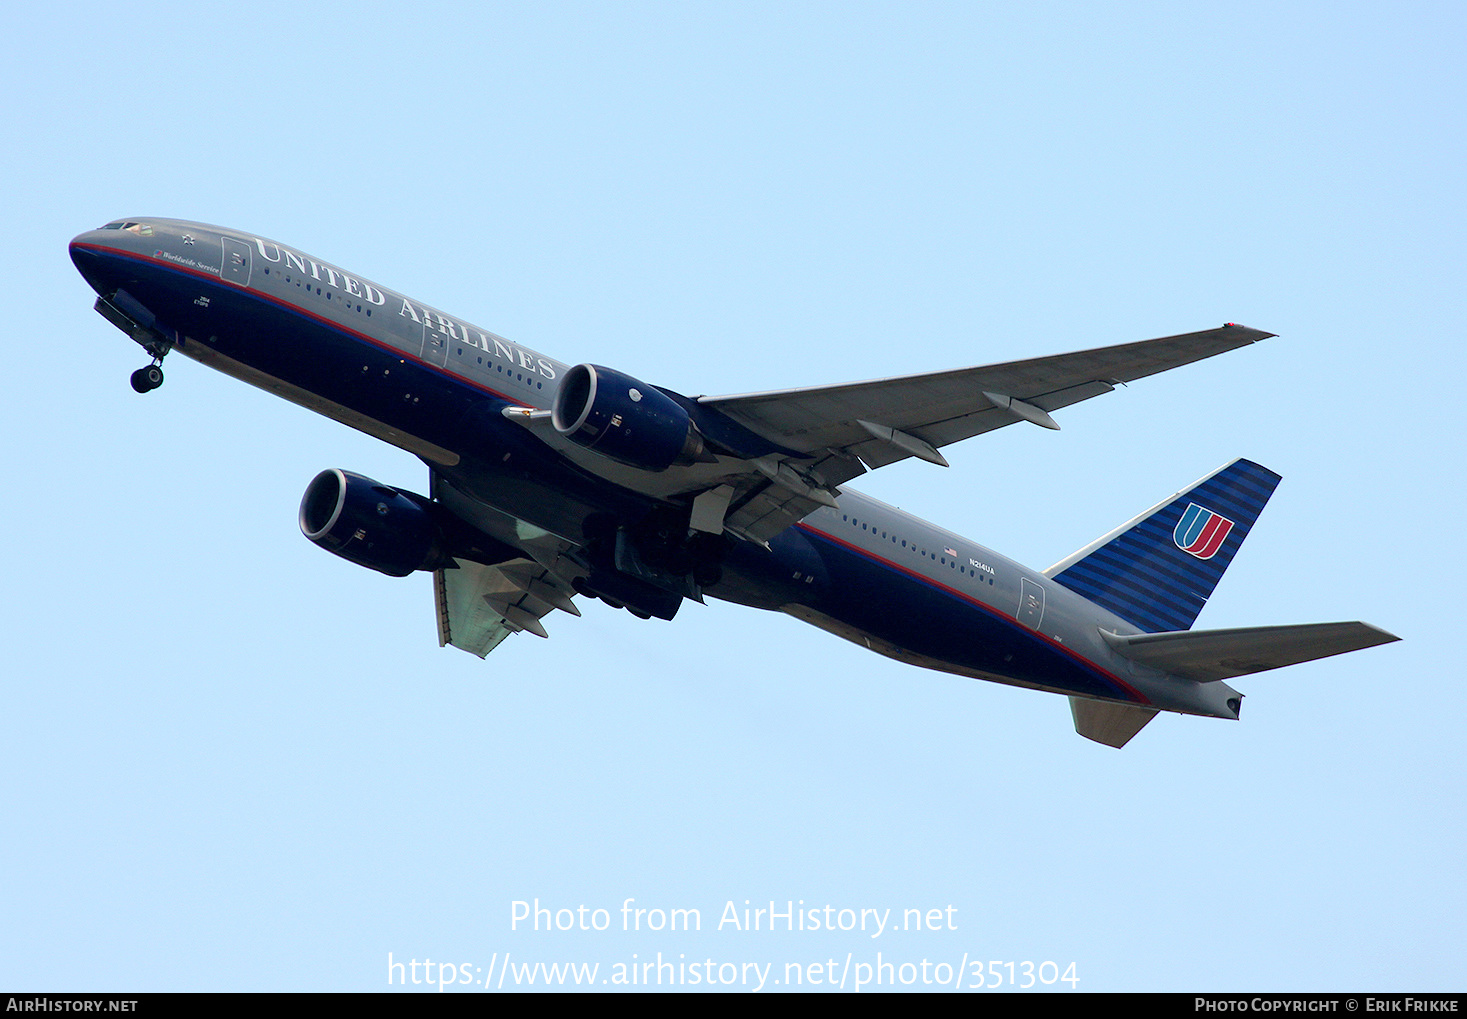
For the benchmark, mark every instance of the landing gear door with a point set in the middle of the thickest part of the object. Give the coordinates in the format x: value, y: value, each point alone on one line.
x: 235, y: 268
x: 1031, y: 604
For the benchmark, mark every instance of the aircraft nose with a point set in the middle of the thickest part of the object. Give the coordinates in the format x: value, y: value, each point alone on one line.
x: 88, y: 254
x: 90, y: 237
x: 91, y: 240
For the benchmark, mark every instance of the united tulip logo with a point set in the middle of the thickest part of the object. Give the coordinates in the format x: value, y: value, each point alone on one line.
x: 1201, y: 532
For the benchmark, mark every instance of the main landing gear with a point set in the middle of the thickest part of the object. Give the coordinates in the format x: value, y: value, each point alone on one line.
x: 145, y: 380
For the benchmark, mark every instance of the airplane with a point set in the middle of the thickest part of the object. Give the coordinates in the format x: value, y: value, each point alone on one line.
x: 549, y: 481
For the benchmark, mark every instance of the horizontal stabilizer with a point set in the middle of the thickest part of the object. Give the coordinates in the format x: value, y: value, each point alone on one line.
x: 1210, y: 655
x: 1111, y: 724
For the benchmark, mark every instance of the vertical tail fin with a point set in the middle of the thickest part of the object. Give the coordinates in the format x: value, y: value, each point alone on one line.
x: 1158, y: 570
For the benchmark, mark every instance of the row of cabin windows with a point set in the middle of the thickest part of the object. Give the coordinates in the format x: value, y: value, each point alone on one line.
x: 500, y: 368
x: 327, y: 294
x: 951, y: 564
x: 301, y: 282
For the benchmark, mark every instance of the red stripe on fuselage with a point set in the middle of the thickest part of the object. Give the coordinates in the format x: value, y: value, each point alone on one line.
x: 305, y: 313
x: 982, y: 606
x: 439, y: 369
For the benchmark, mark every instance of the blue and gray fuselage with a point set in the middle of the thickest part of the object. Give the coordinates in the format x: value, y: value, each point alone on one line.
x: 436, y: 386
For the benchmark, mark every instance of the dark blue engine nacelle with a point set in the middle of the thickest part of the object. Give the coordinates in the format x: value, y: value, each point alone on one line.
x: 624, y: 419
x: 371, y: 524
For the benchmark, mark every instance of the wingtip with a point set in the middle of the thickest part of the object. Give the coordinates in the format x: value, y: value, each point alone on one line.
x: 1386, y: 637
x: 1255, y: 334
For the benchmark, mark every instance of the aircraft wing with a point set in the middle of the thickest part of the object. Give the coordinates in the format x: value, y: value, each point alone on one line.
x: 478, y: 606
x: 820, y: 437
x: 886, y: 420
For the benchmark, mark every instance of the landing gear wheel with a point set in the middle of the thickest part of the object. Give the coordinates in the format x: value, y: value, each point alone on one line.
x: 145, y: 380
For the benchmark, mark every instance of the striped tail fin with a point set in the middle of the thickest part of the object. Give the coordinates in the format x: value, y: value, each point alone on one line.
x: 1158, y: 570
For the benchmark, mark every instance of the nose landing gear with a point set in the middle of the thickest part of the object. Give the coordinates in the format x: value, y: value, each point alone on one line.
x: 133, y: 318
x: 145, y: 380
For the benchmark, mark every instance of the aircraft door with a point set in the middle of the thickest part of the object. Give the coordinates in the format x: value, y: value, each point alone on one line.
x: 435, y: 343
x: 1031, y: 604
x: 235, y: 267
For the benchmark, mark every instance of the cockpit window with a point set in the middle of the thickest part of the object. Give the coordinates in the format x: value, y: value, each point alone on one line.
x: 142, y: 229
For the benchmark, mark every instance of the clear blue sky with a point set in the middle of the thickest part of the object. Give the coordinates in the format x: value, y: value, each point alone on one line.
x: 232, y: 761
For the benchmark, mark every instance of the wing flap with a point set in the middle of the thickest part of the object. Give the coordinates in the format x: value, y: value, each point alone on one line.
x: 465, y: 620
x: 1207, y: 656
x: 478, y: 606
